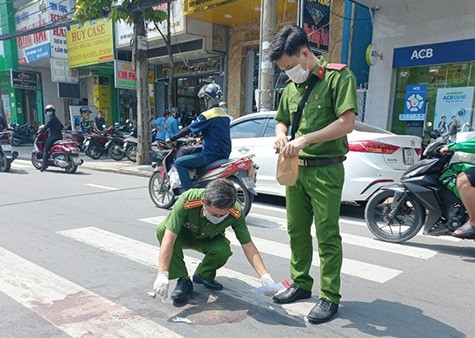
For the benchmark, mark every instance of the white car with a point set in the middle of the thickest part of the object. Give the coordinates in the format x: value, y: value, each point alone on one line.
x: 376, y: 157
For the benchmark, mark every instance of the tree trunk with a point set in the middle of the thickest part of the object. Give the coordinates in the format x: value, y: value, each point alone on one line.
x: 143, y: 103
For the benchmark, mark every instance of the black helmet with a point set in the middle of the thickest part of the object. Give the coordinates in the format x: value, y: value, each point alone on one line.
x: 50, y: 109
x: 210, y: 91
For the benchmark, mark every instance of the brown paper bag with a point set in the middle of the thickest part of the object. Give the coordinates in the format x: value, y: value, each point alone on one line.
x: 287, y: 170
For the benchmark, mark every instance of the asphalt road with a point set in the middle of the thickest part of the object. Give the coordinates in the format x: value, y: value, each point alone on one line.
x: 78, y: 255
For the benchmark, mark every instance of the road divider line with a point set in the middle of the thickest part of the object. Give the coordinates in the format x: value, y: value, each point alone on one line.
x: 236, y: 284
x: 100, y: 186
x: 71, y: 308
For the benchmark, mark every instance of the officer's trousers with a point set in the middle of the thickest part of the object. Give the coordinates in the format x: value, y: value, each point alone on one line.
x: 217, y: 251
x: 316, y: 196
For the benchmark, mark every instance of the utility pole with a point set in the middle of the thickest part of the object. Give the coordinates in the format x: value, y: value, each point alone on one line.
x: 266, y: 66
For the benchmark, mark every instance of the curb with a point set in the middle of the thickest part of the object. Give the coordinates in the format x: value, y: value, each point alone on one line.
x: 133, y: 172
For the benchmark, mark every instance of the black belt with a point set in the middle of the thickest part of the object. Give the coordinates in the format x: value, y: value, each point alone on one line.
x: 318, y: 162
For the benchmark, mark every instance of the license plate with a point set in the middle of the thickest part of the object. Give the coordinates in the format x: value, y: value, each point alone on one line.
x: 248, y: 182
x: 408, y: 156
x: 6, y: 147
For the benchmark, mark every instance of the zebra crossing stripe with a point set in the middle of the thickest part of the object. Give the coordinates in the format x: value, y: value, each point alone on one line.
x: 71, y: 308
x: 351, y: 267
x: 146, y: 254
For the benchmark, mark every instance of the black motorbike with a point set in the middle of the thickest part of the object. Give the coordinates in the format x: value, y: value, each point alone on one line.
x: 7, y: 155
x: 24, y: 134
x: 397, y: 212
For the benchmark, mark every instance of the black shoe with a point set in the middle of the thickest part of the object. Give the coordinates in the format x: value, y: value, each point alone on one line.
x: 183, y: 289
x: 43, y: 168
x: 292, y: 294
x: 213, y: 285
x: 322, y: 312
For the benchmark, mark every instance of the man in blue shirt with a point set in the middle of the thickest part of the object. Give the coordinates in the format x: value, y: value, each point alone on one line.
x: 215, y: 133
x: 161, y: 127
x: 172, y: 122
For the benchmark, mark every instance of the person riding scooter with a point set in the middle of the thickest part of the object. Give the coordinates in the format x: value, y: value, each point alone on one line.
x: 215, y: 133
x: 465, y: 185
x: 55, y: 127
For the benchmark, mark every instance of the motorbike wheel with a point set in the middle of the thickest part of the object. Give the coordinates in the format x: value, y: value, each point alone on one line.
x: 72, y: 167
x: 405, y: 224
x: 131, y: 153
x: 160, y: 192
x: 36, y: 163
x: 116, y: 152
x: 16, y: 141
x: 94, y: 152
x: 5, y: 163
x: 244, y: 197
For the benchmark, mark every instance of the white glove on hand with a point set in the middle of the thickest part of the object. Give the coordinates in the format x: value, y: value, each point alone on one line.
x: 266, y: 280
x: 161, y: 284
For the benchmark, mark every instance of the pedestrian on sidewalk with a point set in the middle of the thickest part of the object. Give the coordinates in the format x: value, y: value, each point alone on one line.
x: 198, y: 222
x: 324, y: 96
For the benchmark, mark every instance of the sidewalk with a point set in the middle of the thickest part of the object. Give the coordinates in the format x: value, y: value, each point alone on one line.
x: 103, y: 164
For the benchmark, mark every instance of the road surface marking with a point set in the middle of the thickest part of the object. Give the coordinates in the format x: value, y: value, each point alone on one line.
x: 351, y: 267
x: 147, y: 254
x: 100, y: 186
x: 361, y: 241
x: 68, y: 306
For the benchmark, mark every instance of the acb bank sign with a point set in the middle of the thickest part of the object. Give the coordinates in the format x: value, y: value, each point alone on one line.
x: 436, y: 53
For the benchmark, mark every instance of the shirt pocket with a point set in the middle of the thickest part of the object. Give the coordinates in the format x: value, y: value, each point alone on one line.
x: 318, y: 114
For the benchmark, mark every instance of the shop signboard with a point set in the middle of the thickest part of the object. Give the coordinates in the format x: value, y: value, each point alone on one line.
x: 314, y: 18
x: 23, y: 80
x: 436, y: 53
x: 415, y: 103
x: 125, y: 76
x: 36, y: 46
x: 453, y: 106
x: 90, y: 43
x: 60, y: 71
x: 125, y: 32
x: 193, y: 6
x: 58, y: 11
x: 82, y: 117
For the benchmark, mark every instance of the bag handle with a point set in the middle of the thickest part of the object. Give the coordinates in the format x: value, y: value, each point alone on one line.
x: 298, y: 114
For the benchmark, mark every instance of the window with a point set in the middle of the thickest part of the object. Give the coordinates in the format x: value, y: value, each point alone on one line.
x: 247, y: 129
x: 270, y: 128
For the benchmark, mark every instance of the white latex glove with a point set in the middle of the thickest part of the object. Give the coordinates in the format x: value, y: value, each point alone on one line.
x: 161, y: 284
x: 266, y: 280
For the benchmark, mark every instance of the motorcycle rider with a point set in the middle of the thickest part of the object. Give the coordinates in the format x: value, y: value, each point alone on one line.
x: 466, y: 187
x: 54, y: 126
x: 215, y: 133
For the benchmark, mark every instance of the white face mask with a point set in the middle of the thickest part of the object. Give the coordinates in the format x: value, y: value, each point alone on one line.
x: 214, y: 219
x: 297, y: 74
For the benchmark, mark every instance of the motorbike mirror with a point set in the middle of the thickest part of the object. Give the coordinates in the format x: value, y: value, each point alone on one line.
x: 103, y: 126
x: 429, y: 124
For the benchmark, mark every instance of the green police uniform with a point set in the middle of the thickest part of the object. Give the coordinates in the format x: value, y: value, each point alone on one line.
x: 317, y: 193
x: 196, y: 232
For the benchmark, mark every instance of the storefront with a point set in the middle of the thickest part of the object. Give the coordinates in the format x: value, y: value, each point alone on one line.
x: 424, y: 68
x: 434, y: 83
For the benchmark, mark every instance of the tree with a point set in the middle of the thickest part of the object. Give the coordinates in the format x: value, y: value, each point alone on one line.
x: 136, y: 13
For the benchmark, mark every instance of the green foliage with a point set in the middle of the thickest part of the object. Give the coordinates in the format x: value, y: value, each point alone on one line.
x: 94, y: 9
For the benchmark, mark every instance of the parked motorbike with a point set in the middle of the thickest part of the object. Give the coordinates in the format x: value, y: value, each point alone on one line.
x: 7, y: 156
x: 63, y: 153
x: 398, y: 211
x: 96, y: 145
x: 164, y: 187
x: 24, y: 134
x: 130, y: 145
x: 76, y: 137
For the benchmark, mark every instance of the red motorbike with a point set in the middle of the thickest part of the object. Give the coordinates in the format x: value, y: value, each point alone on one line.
x: 164, y: 185
x: 63, y: 153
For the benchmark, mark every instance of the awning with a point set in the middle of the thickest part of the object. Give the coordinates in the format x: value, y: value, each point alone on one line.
x: 232, y: 12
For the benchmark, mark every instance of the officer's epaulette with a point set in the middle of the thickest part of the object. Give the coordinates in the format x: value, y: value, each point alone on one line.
x: 214, y: 112
x: 235, y: 213
x: 190, y: 204
x: 336, y: 66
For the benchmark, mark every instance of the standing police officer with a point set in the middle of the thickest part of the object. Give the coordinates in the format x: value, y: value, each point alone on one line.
x: 55, y: 128
x: 320, y: 143
x: 198, y: 221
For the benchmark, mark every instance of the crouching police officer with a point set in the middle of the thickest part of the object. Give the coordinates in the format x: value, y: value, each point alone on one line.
x: 198, y: 221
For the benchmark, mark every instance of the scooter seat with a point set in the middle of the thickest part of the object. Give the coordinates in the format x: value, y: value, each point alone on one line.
x: 200, y: 171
